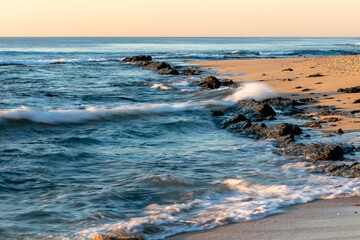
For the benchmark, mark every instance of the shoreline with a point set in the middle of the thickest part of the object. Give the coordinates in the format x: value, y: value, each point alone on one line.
x: 320, y: 219
x: 297, y: 78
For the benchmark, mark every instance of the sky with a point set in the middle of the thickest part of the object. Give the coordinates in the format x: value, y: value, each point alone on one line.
x: 180, y: 18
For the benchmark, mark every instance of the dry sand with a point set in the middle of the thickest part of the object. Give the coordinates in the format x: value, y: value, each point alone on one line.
x: 338, y: 71
x: 323, y: 219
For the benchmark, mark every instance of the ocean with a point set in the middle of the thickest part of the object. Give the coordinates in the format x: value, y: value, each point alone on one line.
x: 97, y: 145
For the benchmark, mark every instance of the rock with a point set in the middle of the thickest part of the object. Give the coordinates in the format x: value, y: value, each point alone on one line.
x: 339, y: 131
x: 191, y: 72
x: 331, y: 119
x: 265, y: 110
x: 137, y: 58
x: 57, y: 63
x: 350, y: 90
x: 306, y: 89
x: 51, y: 95
x: 315, y: 151
x: 155, y: 65
x: 210, y: 82
x: 168, y: 71
x: 298, y: 87
x: 217, y: 113
x: 281, y: 130
x: 313, y: 124
x: 228, y: 83
x: 257, y: 128
x: 288, y: 70
x: 357, y: 101
x: 315, y: 75
x: 305, y: 99
x: 238, y: 118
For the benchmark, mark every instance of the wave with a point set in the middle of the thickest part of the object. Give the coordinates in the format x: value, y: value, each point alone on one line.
x: 232, y: 200
x: 255, y: 91
x: 53, y: 61
x: 63, y: 116
x: 161, y: 86
x: 274, y: 53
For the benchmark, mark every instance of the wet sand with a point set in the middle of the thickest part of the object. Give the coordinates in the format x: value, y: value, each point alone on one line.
x: 337, y: 72
x: 322, y: 219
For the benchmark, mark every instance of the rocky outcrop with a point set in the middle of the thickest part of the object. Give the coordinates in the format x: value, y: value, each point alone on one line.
x: 191, y: 72
x: 146, y: 62
x: 115, y: 237
x: 214, y: 83
x: 137, y: 58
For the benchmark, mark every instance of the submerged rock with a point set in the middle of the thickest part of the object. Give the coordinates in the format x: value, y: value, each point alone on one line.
x: 191, y: 72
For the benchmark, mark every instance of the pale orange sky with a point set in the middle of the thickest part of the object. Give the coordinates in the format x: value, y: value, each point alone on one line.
x: 228, y: 18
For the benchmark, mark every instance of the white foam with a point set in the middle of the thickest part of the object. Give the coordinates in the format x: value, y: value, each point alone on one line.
x: 161, y: 86
x: 257, y: 91
x: 275, y: 53
x: 233, y: 200
x: 97, y: 113
x: 50, y: 61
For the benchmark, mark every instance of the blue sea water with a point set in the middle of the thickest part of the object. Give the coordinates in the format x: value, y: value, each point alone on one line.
x: 99, y: 145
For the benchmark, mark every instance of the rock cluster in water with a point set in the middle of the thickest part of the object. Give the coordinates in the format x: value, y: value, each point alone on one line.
x: 251, y: 118
x: 146, y: 62
x: 214, y: 83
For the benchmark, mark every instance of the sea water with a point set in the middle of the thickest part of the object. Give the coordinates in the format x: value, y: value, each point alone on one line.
x: 97, y: 145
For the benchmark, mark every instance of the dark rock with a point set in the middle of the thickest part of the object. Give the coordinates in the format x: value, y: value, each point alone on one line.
x: 156, y: 65
x: 228, y: 83
x: 298, y: 87
x: 265, y: 110
x: 288, y: 70
x: 281, y: 130
x: 357, y: 101
x: 137, y: 58
x: 350, y: 90
x: 191, y: 72
x: 257, y: 128
x: 168, y: 71
x: 331, y: 119
x: 315, y: 75
x: 115, y: 237
x: 210, y: 82
x: 315, y: 151
x: 339, y: 131
x: 306, y: 89
x: 217, y: 113
x: 305, y: 99
x: 57, y: 63
x: 240, y: 126
x: 51, y: 95
x: 313, y: 124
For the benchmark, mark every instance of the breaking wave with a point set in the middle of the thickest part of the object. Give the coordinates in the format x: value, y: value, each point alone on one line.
x: 232, y: 200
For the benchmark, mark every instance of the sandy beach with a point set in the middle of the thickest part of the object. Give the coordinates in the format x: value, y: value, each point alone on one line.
x: 323, y: 219
x: 291, y: 77
x: 318, y: 78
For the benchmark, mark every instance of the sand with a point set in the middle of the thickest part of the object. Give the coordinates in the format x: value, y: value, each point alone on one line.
x: 322, y: 219
x: 338, y: 72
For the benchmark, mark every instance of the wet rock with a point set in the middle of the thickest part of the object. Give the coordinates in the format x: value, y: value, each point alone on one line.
x: 228, y: 83
x: 350, y: 90
x: 51, y: 95
x: 57, y: 63
x: 156, y: 65
x: 306, y: 89
x: 331, y: 119
x: 217, y: 113
x: 191, y: 72
x: 298, y: 87
x: 305, y: 99
x: 339, y: 131
x: 281, y: 130
x: 240, y: 126
x: 257, y: 128
x: 137, y: 58
x: 315, y: 75
x: 265, y: 110
x: 210, y: 82
x: 313, y: 124
x: 315, y: 151
x: 168, y: 71
x: 288, y: 70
